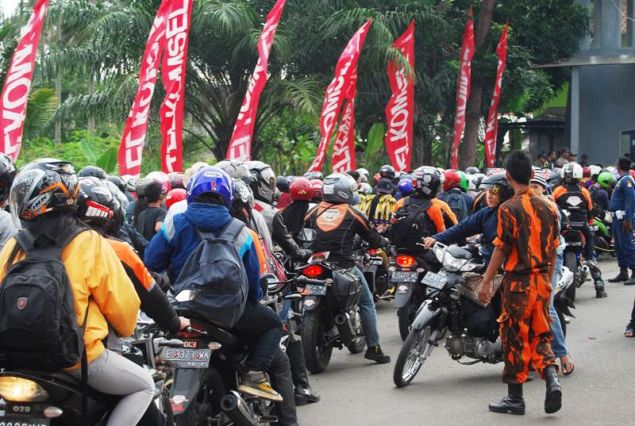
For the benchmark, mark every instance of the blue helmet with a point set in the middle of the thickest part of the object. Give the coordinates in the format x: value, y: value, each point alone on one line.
x: 405, y: 186
x: 211, y: 180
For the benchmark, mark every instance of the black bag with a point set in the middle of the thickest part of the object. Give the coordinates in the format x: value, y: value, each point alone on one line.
x: 38, y: 325
x: 346, y: 288
x: 411, y: 224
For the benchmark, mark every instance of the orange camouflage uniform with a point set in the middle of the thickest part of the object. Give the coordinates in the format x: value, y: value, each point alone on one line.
x: 528, y: 233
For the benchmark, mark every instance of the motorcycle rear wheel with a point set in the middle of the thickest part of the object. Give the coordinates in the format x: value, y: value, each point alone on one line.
x: 571, y: 262
x: 317, y: 353
x: 359, y: 343
x: 414, y: 353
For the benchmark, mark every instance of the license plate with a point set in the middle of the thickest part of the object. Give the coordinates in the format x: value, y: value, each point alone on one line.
x: 188, y: 358
x: 316, y: 290
x: 404, y: 277
x: 433, y: 280
x: 23, y: 421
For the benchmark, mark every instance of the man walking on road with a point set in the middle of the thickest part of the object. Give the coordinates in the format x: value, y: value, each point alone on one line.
x: 526, y: 243
x: 622, y: 207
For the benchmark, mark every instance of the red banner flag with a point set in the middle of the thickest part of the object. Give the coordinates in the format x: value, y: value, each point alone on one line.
x: 240, y: 144
x: 15, y: 93
x: 343, y: 159
x: 492, y: 119
x: 173, y: 66
x: 463, y: 87
x: 337, y: 91
x: 400, y: 107
x: 134, y: 132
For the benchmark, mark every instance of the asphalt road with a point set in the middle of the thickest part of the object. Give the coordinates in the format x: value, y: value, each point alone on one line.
x: 600, y: 391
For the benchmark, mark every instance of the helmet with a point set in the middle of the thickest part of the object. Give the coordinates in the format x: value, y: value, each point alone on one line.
x: 301, y: 189
x: 595, y: 171
x: 44, y: 186
x: 211, y: 180
x: 571, y: 172
x: 7, y: 174
x: 586, y: 172
x: 162, y: 178
x: 464, y: 185
x: 554, y: 178
x: 242, y: 194
x: 131, y: 182
x: 94, y: 171
x: 339, y: 188
x: 498, y: 180
x: 451, y: 181
x: 607, y: 180
x: 176, y: 180
x: 405, y: 186
x: 365, y: 188
x: 174, y: 196
x: 477, y: 179
x: 472, y: 170
x: 384, y: 186
x: 387, y: 172
x: 119, y: 183
x: 318, y: 189
x: 191, y: 171
x: 364, y: 174
x: 262, y: 181
x: 117, y: 193
x: 282, y: 183
x: 314, y: 175
x: 236, y: 169
x: 427, y: 181
x: 96, y: 204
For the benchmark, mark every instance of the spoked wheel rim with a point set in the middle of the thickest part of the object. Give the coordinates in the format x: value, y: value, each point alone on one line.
x: 418, y: 355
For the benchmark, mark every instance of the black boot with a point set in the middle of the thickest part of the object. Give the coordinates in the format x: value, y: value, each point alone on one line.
x: 632, y: 280
x: 376, y: 354
x: 553, y: 397
x: 600, y: 292
x: 622, y: 276
x: 513, y: 403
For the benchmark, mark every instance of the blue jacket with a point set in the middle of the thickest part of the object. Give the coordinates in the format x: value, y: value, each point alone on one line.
x: 623, y: 197
x: 484, y: 221
x: 170, y: 248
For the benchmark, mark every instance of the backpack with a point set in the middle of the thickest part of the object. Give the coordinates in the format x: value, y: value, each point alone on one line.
x: 457, y: 203
x: 38, y: 324
x: 213, y: 279
x: 411, y: 224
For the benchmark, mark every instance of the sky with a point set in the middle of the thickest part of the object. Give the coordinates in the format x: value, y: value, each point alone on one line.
x: 8, y: 6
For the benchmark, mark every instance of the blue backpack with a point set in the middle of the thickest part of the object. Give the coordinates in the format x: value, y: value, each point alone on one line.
x: 456, y: 201
x: 213, y: 283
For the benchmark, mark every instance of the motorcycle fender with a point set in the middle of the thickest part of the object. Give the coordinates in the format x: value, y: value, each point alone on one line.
x: 187, y: 383
x: 426, y: 313
x: 310, y: 303
x: 403, y: 292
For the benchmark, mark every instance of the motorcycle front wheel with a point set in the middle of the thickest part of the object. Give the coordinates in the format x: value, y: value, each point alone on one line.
x: 317, y: 352
x: 414, y: 353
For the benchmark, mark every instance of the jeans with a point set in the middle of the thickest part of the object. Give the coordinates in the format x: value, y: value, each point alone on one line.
x: 558, y: 344
x: 367, y: 311
x: 113, y: 374
x: 262, y: 329
x: 280, y: 373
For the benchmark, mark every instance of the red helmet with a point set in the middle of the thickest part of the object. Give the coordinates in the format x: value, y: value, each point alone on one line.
x: 452, y: 180
x: 301, y: 189
x: 174, y: 196
x: 586, y: 172
x: 318, y: 189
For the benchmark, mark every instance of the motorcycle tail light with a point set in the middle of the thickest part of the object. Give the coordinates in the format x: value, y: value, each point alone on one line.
x: 313, y: 271
x: 405, y: 261
x: 373, y: 252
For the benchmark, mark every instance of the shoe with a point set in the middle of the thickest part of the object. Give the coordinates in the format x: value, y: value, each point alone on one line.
x: 630, y: 281
x: 255, y: 383
x: 622, y: 276
x: 375, y: 354
x: 304, y: 396
x: 553, y: 396
x: 513, y: 403
x: 600, y: 292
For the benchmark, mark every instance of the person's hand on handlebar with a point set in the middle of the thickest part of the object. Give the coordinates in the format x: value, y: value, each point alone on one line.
x: 183, y: 323
x: 429, y: 242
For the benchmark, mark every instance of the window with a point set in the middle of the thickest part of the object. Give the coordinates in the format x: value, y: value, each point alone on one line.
x: 626, y: 23
x: 595, y: 22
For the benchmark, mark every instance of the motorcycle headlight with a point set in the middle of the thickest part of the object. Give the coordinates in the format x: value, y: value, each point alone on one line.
x: 452, y: 264
x: 469, y: 267
x: 17, y: 389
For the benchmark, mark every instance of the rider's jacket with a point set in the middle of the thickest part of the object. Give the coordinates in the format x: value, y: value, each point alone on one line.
x: 378, y: 207
x: 576, y: 200
x: 278, y: 230
x: 439, y: 213
x: 96, y: 274
x: 600, y: 197
x: 336, y: 226
x: 484, y: 221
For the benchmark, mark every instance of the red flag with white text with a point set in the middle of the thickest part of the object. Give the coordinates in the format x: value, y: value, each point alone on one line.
x: 134, y: 132
x: 173, y: 67
x: 240, y: 144
x: 15, y: 93
x: 400, y: 107
x: 337, y: 91
x: 492, y: 118
x: 343, y: 158
x: 463, y: 88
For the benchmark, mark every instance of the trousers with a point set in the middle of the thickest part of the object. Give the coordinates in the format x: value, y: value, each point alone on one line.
x: 525, y: 325
x: 624, y: 245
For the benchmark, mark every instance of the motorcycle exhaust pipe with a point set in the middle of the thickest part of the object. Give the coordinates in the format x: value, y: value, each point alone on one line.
x: 347, y: 333
x: 237, y: 410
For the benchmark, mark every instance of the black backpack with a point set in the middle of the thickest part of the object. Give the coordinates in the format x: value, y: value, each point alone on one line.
x: 411, y: 224
x: 38, y: 325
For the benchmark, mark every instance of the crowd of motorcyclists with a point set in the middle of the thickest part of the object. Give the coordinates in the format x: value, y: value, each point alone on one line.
x: 226, y: 248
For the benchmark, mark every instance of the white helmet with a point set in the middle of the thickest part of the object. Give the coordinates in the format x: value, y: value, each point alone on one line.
x: 571, y: 171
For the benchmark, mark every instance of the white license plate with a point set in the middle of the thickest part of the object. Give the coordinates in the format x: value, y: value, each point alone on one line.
x: 404, y: 277
x: 434, y: 280
x: 316, y: 290
x: 23, y: 421
x: 188, y: 358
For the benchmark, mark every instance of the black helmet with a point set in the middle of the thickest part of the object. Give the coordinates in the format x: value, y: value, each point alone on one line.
x: 339, y: 188
x: 498, y: 181
x: 94, y: 171
x: 96, y: 204
x: 262, y: 181
x: 282, y: 183
x: 427, y: 181
x: 44, y: 186
x: 387, y: 172
x: 118, y: 182
x: 7, y: 174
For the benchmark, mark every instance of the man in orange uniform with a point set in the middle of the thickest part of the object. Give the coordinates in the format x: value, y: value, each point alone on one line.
x: 526, y: 248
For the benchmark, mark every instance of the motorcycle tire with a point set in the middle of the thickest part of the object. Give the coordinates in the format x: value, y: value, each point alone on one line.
x: 198, y: 413
x: 414, y: 353
x: 359, y: 343
x: 316, y: 353
x: 571, y: 262
x: 405, y: 316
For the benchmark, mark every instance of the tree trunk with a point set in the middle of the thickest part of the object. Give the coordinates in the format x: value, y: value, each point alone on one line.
x: 58, y: 84
x: 467, y: 152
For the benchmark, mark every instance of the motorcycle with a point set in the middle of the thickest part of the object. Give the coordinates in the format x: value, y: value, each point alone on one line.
x: 443, y: 313
x: 561, y: 302
x: 375, y: 264
x: 330, y: 309
x: 602, y: 238
x: 575, y: 242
